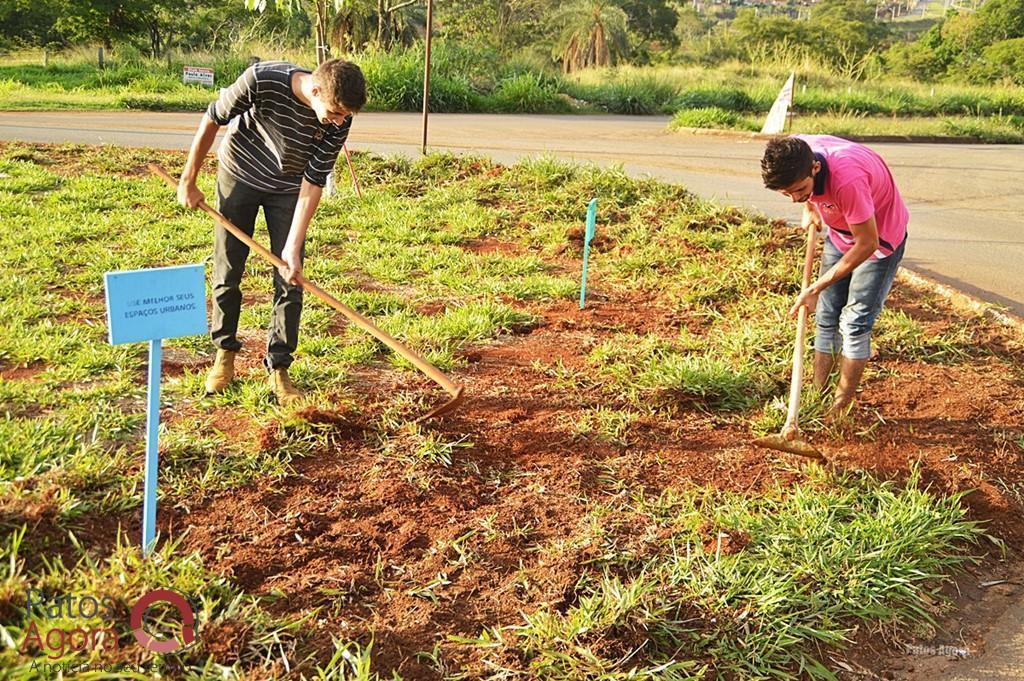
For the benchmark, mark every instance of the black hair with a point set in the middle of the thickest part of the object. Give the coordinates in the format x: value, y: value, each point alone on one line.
x: 786, y: 160
x: 342, y: 82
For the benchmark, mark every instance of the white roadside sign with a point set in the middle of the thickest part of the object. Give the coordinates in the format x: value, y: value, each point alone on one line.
x: 776, y: 121
x: 197, y: 74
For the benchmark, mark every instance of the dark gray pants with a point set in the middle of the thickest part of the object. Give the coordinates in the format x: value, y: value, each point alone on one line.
x: 240, y: 203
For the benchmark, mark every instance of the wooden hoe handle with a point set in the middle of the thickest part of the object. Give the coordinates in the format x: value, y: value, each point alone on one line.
x: 801, y: 334
x: 359, y: 320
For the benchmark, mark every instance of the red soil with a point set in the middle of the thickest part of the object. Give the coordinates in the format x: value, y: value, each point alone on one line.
x: 371, y: 538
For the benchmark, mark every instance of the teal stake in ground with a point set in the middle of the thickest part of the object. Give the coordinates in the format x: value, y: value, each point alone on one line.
x: 587, y: 237
x: 150, y: 305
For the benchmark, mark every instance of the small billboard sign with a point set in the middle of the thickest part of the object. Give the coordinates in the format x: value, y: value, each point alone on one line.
x: 165, y: 302
x: 197, y: 74
x: 150, y: 305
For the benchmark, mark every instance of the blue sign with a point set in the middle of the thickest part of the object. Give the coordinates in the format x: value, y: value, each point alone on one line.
x: 165, y: 302
x: 150, y: 305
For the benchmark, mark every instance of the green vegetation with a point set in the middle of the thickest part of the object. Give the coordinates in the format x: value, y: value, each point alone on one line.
x: 679, y: 584
x: 862, y: 69
x: 767, y: 570
x: 732, y: 95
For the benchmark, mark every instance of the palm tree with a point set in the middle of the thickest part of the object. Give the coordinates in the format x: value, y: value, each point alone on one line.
x: 592, y: 33
x: 319, y: 10
x: 353, y: 25
x: 347, y: 21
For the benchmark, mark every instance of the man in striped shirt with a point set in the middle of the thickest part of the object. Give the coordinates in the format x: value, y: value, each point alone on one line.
x: 848, y: 188
x: 286, y: 127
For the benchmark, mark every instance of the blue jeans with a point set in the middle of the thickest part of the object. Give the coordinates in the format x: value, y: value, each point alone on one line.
x: 847, y: 309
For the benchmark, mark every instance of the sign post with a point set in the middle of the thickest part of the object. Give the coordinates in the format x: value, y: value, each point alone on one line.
x: 588, y: 236
x: 150, y: 305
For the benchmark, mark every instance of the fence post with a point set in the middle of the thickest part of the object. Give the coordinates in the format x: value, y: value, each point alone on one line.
x: 99, y: 56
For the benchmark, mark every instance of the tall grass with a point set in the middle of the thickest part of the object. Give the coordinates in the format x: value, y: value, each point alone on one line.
x: 741, y: 87
x: 464, y: 80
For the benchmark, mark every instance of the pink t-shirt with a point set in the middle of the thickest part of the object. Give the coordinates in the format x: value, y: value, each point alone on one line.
x: 858, y: 185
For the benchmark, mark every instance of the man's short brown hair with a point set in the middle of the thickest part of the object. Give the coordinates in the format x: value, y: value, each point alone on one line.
x: 786, y: 160
x: 341, y: 83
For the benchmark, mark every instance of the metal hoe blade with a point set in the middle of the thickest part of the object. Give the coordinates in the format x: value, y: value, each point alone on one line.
x: 793, y: 446
x: 443, y: 409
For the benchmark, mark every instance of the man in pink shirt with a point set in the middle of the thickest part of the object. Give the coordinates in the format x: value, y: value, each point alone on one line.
x: 848, y: 188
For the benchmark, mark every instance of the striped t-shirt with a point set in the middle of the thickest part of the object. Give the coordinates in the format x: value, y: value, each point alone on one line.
x: 274, y: 140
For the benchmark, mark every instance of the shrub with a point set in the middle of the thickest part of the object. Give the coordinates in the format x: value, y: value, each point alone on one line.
x: 1001, y: 60
x: 527, y: 93
x: 729, y: 99
x: 635, y: 95
x: 710, y: 117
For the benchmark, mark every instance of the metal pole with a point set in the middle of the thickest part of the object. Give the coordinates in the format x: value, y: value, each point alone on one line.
x: 426, y: 72
x: 352, y: 171
x: 149, y: 494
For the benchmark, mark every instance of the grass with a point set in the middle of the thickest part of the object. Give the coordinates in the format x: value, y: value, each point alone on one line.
x: 753, y: 585
x: 730, y: 95
x: 122, y: 577
x: 992, y: 129
x: 699, y: 582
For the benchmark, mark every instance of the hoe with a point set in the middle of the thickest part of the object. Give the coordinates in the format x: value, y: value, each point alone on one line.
x: 789, y: 440
x: 359, y: 320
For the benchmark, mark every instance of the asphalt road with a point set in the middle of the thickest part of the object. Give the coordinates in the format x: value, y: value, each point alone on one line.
x: 966, y: 201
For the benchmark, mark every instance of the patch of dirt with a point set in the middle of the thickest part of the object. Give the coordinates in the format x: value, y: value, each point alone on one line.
x: 575, y: 242
x: 615, y: 312
x: 46, y: 537
x: 21, y: 373
x: 975, y: 600
x: 489, y: 244
x: 378, y: 542
x: 373, y: 540
x: 409, y: 555
x: 176, y: 361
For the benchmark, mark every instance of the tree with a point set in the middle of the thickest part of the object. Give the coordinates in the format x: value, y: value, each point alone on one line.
x: 321, y: 10
x: 106, y: 21
x: 751, y: 29
x: 847, y: 29
x: 160, y: 22
x: 501, y: 24
x: 1003, y: 60
x: 346, y: 17
x: 999, y: 20
x: 689, y: 25
x: 651, y: 20
x: 591, y: 33
x: 30, y: 23
x: 353, y: 26
x: 390, y: 22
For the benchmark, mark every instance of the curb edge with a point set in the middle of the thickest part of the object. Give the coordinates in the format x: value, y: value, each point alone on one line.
x: 961, y: 300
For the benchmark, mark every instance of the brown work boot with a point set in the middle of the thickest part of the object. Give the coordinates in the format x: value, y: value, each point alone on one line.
x: 283, y: 388
x: 222, y: 372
